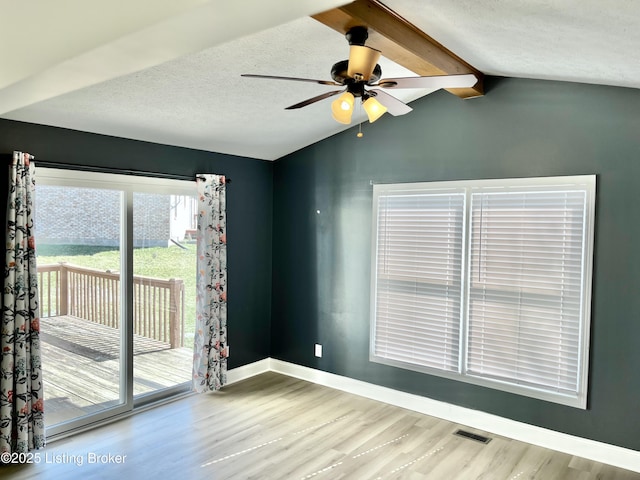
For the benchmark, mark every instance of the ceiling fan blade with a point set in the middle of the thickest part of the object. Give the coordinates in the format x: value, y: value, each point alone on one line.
x: 434, y: 82
x: 309, y: 101
x: 394, y: 106
x: 275, y: 77
x: 362, y: 61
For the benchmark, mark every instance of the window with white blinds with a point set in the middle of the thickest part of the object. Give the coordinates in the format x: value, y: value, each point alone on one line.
x: 486, y: 281
x: 419, y: 278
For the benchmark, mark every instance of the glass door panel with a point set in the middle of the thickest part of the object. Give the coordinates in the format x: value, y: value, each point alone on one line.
x: 164, y: 266
x: 79, y: 264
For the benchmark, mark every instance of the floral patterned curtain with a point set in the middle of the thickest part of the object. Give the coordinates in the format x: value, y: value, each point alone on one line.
x: 210, y: 343
x: 21, y: 397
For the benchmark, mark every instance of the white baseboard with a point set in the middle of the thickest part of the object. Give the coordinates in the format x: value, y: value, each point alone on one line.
x: 561, y: 442
x: 247, y: 371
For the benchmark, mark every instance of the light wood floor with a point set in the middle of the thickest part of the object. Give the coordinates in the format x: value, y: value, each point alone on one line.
x: 81, y: 364
x: 275, y: 427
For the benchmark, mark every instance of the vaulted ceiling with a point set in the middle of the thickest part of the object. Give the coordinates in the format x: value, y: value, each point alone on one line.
x: 170, y: 72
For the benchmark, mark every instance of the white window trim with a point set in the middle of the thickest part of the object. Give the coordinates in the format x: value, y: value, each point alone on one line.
x: 582, y: 182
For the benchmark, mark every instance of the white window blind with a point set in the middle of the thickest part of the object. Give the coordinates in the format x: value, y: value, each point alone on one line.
x: 487, y: 282
x: 525, y: 287
x: 419, y: 278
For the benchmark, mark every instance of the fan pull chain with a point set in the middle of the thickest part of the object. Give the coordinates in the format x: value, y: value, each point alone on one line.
x: 360, y: 134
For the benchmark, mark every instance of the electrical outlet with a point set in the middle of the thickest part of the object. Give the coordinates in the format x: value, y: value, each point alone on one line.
x: 318, y: 350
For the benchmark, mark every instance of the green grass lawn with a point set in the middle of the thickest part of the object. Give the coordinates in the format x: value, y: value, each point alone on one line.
x: 158, y: 262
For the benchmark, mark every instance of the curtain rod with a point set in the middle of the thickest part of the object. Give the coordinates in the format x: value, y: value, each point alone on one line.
x: 85, y: 168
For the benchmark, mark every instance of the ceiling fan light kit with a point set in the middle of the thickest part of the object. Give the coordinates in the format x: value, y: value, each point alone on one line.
x: 342, y: 108
x: 362, y: 70
x: 373, y: 108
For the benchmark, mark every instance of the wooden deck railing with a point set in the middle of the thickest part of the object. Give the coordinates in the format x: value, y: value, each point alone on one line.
x: 94, y: 295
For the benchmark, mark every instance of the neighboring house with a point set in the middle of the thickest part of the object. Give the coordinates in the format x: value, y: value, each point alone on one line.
x: 158, y: 218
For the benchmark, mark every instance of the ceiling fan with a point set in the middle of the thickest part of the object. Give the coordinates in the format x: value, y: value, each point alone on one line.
x: 360, y: 74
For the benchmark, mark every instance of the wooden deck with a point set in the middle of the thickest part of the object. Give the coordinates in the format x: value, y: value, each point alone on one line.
x: 81, y: 361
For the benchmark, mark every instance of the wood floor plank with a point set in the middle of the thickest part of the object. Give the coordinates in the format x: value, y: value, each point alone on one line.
x: 273, y: 427
x: 498, y: 459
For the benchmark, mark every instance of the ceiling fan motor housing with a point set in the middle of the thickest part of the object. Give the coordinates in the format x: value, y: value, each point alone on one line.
x: 339, y: 73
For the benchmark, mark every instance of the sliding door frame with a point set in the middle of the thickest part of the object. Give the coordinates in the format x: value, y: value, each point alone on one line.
x: 126, y: 185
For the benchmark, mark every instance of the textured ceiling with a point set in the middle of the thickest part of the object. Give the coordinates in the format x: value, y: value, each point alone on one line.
x: 584, y: 41
x: 173, y: 76
x: 201, y: 101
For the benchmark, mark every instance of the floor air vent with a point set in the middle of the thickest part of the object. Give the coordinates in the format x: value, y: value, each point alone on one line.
x: 472, y: 436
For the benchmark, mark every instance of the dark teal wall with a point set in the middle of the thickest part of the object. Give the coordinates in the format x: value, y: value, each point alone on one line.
x: 249, y: 203
x: 318, y: 290
x: 521, y: 128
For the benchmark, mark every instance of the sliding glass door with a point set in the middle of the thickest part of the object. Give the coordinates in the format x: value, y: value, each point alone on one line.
x: 116, y: 266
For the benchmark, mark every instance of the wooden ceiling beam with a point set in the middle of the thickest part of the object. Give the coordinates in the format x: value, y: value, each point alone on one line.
x: 401, y: 42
